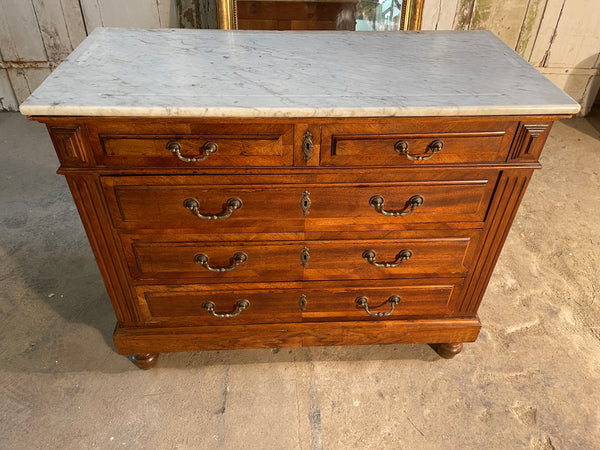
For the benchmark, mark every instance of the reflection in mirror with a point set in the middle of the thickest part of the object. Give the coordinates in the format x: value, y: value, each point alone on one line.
x: 360, y: 15
x: 379, y: 15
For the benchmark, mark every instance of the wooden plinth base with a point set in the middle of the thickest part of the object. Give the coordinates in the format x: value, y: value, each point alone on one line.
x: 148, y: 342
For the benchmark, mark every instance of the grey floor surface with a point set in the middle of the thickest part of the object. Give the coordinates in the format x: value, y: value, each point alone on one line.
x: 532, y: 380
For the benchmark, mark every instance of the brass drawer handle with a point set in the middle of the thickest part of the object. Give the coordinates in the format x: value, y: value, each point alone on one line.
x: 404, y: 255
x: 209, y: 148
x: 402, y: 148
x: 414, y: 202
x: 194, y: 206
x: 241, y: 305
x: 238, y: 258
x: 362, y: 302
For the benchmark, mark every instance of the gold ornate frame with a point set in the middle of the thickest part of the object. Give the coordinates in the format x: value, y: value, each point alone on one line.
x: 412, y: 14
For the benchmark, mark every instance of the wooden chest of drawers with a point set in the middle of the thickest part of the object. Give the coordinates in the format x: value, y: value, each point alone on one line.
x: 240, y: 232
x: 337, y: 237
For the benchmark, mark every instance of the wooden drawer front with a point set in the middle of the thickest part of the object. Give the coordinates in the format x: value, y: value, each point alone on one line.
x: 359, y: 145
x: 150, y: 203
x: 439, y: 201
x: 158, y: 203
x: 236, y: 145
x: 178, y: 262
x: 185, y: 305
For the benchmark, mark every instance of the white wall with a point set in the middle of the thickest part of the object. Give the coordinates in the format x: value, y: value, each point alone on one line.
x: 559, y: 37
x: 36, y: 35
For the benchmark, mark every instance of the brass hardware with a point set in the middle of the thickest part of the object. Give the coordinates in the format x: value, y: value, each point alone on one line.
x: 209, y: 148
x: 362, y: 302
x: 302, y: 302
x: 404, y: 255
x: 304, y: 256
x: 305, y: 203
x: 307, y: 146
x: 240, y: 304
x: 434, y: 147
x: 193, y: 205
x: 236, y: 260
x: 414, y: 202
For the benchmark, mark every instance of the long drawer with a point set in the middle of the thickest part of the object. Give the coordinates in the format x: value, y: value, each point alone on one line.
x: 431, y: 254
x: 218, y: 205
x: 195, y: 305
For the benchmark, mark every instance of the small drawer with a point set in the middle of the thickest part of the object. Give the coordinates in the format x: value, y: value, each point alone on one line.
x: 220, y: 145
x: 443, y: 253
x: 403, y: 143
x: 196, y: 305
x: 216, y: 205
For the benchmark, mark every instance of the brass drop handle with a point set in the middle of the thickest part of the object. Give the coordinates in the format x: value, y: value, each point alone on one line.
x: 194, y: 206
x: 362, y: 302
x: 209, y: 148
x: 413, y: 203
x: 238, y: 258
x: 434, y: 147
x: 240, y: 304
x: 404, y: 255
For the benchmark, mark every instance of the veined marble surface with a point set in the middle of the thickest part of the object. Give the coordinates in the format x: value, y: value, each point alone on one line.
x: 216, y: 73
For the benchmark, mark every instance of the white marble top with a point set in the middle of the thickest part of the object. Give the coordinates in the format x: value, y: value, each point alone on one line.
x: 216, y: 73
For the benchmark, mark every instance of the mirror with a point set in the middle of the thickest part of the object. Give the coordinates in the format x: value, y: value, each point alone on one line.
x: 359, y: 15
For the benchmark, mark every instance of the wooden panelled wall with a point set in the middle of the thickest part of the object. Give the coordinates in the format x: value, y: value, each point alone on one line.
x: 560, y: 37
x: 36, y: 35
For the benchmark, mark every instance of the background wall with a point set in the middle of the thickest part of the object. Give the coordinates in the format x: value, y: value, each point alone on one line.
x: 560, y: 37
x: 36, y: 35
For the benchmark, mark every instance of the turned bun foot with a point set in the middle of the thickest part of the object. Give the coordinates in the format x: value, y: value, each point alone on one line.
x: 447, y: 351
x: 145, y: 362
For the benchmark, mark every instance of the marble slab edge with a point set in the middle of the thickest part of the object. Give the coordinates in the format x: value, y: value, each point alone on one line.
x: 42, y: 110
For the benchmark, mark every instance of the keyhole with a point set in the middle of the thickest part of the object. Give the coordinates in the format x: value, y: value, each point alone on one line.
x: 305, y: 202
x: 304, y: 256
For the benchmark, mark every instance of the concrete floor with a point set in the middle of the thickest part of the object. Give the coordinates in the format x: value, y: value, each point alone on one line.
x: 530, y: 381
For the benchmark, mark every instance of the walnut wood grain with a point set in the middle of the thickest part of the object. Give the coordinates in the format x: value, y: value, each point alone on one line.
x: 157, y: 202
x: 69, y: 143
x: 180, y: 339
x: 107, y: 251
x: 529, y: 141
x: 182, y: 305
x: 164, y: 258
x: 130, y: 191
x: 508, y: 196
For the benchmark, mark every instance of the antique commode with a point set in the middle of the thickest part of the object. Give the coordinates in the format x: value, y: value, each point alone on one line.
x: 283, y: 189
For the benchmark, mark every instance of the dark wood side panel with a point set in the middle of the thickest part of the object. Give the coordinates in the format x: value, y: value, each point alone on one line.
x: 507, y: 199
x: 159, y: 340
x: 86, y: 193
